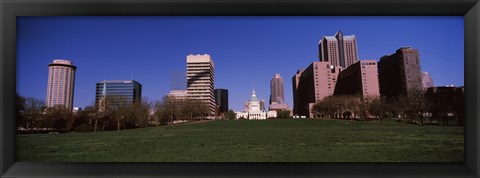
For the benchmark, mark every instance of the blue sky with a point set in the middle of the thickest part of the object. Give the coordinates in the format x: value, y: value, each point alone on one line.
x: 246, y: 50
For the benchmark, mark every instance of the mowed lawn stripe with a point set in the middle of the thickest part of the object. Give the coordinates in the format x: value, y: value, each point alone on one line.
x: 281, y: 140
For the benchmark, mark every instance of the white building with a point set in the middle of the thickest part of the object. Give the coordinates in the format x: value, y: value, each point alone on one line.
x: 178, y: 94
x: 200, y: 80
x: 253, y: 110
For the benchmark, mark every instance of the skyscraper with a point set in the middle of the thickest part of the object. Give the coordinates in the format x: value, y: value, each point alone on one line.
x: 427, y: 81
x: 200, y: 80
x: 276, y: 89
x: 61, y: 83
x: 339, y: 50
x: 277, y: 97
x: 221, y: 99
x: 111, y: 93
x: 399, y: 73
x: 360, y: 79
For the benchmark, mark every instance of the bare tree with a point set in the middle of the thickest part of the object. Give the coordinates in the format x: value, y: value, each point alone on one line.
x: 418, y: 104
x: 116, y: 108
x: 379, y: 107
x: 140, y: 111
x: 32, y: 112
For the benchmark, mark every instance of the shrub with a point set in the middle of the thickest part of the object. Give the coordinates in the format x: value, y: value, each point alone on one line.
x: 84, y: 128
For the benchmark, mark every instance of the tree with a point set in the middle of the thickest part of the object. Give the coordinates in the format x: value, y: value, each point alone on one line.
x: 283, y: 114
x: 19, y: 111
x: 141, y: 112
x: 326, y: 108
x: 166, y: 110
x: 362, y: 106
x: 170, y: 109
x: 56, y: 118
x: 379, y: 108
x: 86, y: 117
x: 230, y: 115
x: 29, y: 111
x: 459, y: 106
x: 418, y: 104
x: 403, y: 106
x: 442, y: 104
x: 117, y: 109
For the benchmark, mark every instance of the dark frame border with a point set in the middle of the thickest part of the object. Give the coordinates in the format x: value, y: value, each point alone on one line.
x: 9, y: 9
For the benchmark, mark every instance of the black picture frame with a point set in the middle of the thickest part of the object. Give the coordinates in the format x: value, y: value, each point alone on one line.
x: 10, y: 9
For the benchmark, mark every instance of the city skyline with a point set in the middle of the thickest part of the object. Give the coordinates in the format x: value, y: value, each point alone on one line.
x: 112, y: 48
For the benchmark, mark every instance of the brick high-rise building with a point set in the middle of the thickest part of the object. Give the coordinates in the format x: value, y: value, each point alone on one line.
x: 61, y: 83
x: 339, y: 50
x: 200, y: 80
x: 360, y: 79
x: 399, y: 73
x: 295, y: 81
x: 315, y: 83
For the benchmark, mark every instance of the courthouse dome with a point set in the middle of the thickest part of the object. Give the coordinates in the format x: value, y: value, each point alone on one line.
x: 254, y: 97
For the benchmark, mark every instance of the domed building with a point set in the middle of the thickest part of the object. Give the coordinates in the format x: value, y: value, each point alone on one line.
x: 253, y: 110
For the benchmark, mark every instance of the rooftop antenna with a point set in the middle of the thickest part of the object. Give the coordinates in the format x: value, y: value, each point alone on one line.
x: 132, y: 75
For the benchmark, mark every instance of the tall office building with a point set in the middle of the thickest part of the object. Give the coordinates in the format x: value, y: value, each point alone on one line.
x: 339, y: 50
x: 315, y: 83
x: 276, y: 89
x: 115, y: 93
x: 200, y: 80
x: 360, y: 79
x: 427, y: 81
x: 295, y: 81
x: 61, y: 83
x: 400, y: 73
x: 277, y: 97
x: 221, y: 99
x: 262, y: 104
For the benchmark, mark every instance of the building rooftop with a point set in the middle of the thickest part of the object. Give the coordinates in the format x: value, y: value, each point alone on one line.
x: 254, y: 97
x: 118, y: 81
x: 62, y: 61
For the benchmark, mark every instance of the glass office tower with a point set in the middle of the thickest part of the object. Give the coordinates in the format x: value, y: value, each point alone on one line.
x: 124, y: 92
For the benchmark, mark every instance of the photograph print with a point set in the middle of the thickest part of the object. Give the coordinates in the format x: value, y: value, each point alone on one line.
x: 240, y: 89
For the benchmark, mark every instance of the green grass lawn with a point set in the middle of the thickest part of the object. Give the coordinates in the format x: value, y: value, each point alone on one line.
x: 282, y: 140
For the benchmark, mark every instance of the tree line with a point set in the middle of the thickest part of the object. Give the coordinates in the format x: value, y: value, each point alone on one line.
x: 108, y: 114
x: 418, y: 107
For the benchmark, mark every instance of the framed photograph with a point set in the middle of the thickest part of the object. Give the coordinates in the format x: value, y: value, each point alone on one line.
x: 228, y: 88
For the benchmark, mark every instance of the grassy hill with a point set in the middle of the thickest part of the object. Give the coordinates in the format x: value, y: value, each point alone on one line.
x: 282, y: 140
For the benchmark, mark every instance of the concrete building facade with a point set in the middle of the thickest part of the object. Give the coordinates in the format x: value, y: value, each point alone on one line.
x: 339, y: 50
x: 178, y: 94
x: 316, y: 82
x: 61, y: 84
x: 400, y: 73
x: 359, y: 79
x: 200, y: 80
